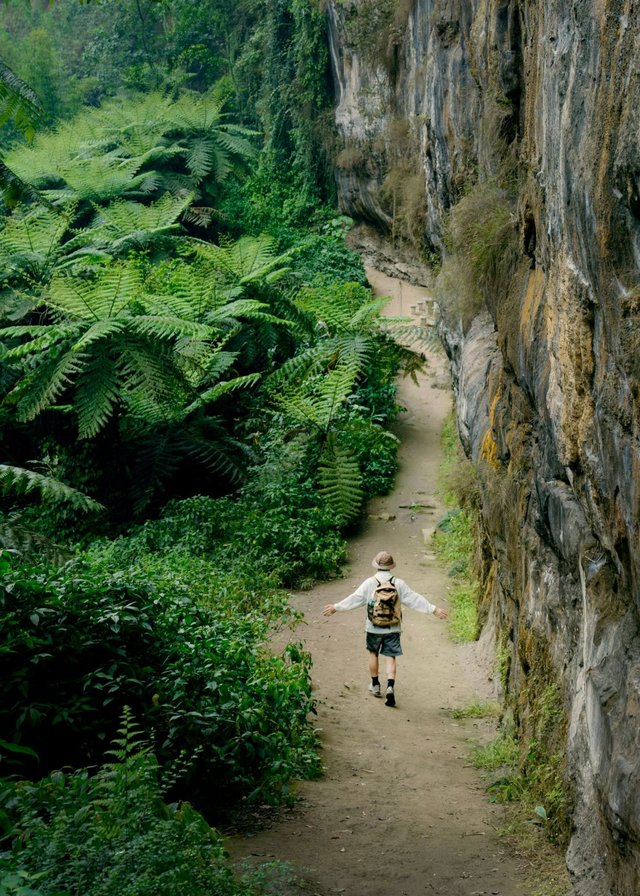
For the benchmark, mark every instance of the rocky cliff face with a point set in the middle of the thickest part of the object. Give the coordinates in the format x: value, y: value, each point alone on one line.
x: 541, y: 100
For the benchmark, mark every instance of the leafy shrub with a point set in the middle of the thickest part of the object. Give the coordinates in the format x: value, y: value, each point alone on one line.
x: 324, y: 257
x: 226, y: 717
x: 377, y: 452
x: 111, y: 835
x: 282, y: 529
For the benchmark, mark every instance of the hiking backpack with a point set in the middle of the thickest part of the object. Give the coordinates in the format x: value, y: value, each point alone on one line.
x: 384, y: 608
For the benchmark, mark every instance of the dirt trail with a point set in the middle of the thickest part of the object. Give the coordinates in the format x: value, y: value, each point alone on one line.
x: 399, y: 810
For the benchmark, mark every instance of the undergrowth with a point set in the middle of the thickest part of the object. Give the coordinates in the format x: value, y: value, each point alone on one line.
x: 453, y: 539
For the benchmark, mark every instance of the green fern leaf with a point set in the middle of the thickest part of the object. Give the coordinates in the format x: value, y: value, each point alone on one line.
x: 165, y: 327
x: 200, y: 157
x: 332, y: 391
x: 340, y: 482
x: 105, y: 297
x: 123, y: 223
x: 18, y: 102
x: 40, y: 389
x: 210, y: 396
x: 97, y: 393
x: 19, y: 481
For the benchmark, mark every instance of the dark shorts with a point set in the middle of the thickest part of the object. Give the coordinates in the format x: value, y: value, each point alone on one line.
x: 387, y: 645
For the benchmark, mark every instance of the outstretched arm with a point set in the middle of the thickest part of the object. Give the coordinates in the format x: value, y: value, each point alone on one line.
x: 357, y: 599
x: 416, y: 601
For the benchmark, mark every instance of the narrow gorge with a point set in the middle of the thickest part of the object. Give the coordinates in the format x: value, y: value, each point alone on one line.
x: 500, y: 140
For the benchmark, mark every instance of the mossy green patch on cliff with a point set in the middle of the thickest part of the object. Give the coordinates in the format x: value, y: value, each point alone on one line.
x: 454, y: 540
x: 542, y: 726
x: 482, y: 239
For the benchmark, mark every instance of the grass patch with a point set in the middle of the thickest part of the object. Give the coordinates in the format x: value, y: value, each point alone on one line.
x: 528, y: 823
x: 453, y: 540
x: 501, y: 752
x: 479, y: 709
x: 463, y: 614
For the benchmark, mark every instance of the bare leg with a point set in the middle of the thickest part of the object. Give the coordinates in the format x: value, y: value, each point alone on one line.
x: 373, y: 664
x: 390, y: 699
x: 391, y: 666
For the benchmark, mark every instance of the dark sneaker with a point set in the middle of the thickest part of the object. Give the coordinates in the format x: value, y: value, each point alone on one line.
x: 390, y: 697
x: 375, y: 690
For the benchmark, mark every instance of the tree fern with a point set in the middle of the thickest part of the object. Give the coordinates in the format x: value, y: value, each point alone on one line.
x: 107, y: 296
x: 124, y: 224
x: 340, y: 482
x: 30, y: 243
x: 247, y: 260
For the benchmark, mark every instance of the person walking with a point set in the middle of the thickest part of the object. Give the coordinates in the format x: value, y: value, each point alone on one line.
x: 385, y: 595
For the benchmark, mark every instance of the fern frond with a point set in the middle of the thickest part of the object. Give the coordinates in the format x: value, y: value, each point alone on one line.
x: 131, y: 740
x: 356, y: 351
x: 42, y: 337
x: 158, y: 457
x: 18, y: 102
x: 19, y: 481
x: 151, y: 376
x: 200, y: 216
x: 220, y: 363
x: 125, y: 222
x: 39, y: 389
x: 340, y: 482
x: 166, y: 327
x: 217, y: 451
x: 331, y: 392
x: 21, y: 538
x: 106, y: 296
x: 245, y: 261
x: 210, y: 396
x: 408, y: 334
x: 196, y: 112
x: 296, y: 369
x: 327, y: 305
x: 16, y: 190
x: 368, y: 317
x: 99, y: 179
x: 31, y: 241
x: 240, y: 308
x: 200, y: 157
x: 235, y: 141
x: 97, y: 393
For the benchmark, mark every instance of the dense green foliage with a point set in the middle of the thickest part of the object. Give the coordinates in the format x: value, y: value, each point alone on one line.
x: 192, y: 355
x: 112, y: 834
x: 271, y: 58
x: 226, y: 715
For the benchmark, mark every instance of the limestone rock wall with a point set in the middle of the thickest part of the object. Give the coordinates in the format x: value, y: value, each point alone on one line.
x: 432, y: 97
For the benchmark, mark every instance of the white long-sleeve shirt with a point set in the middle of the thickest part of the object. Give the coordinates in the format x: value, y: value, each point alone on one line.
x: 364, y: 593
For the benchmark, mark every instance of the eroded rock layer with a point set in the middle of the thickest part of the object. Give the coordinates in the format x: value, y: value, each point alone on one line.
x: 436, y: 97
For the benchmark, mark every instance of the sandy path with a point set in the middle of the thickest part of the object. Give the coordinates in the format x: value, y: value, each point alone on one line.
x: 399, y: 810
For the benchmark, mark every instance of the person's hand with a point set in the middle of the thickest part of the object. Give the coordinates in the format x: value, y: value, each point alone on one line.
x: 440, y: 613
x: 329, y: 610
